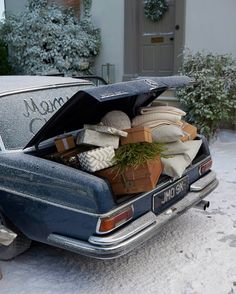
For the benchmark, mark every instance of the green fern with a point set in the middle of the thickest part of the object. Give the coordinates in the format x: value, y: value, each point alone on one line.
x: 133, y: 155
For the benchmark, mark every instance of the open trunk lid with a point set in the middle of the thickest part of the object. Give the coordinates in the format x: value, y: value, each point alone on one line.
x: 90, y: 105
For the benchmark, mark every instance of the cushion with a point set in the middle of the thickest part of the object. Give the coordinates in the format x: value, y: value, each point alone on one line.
x: 94, y: 138
x: 116, y: 119
x: 173, y: 148
x: 166, y: 133
x: 176, y: 165
x: 106, y: 130
x: 192, y: 148
x: 97, y: 159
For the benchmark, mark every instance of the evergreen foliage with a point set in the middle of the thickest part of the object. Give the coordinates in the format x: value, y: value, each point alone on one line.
x: 49, y: 38
x: 154, y: 10
x: 135, y: 154
x: 212, y: 99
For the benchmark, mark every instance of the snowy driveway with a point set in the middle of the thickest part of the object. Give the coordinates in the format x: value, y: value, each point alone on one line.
x: 194, y: 254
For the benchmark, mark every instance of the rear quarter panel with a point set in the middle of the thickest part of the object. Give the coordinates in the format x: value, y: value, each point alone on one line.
x: 42, y: 197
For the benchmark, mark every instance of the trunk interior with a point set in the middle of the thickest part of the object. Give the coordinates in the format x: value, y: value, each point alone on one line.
x: 70, y: 159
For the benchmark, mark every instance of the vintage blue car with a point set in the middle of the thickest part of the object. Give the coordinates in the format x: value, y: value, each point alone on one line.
x: 57, y: 204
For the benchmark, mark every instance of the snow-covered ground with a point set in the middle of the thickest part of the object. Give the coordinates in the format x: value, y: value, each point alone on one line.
x: 194, y: 254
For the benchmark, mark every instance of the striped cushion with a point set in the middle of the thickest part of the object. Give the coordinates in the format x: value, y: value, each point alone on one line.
x: 97, y: 159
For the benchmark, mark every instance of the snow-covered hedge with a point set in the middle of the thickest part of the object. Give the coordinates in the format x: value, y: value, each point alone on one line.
x: 49, y: 38
x: 212, y: 99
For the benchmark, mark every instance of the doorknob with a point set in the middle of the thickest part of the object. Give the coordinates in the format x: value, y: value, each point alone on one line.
x: 177, y: 27
x: 172, y: 39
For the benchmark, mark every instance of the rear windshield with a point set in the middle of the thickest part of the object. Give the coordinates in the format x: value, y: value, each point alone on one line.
x: 23, y: 114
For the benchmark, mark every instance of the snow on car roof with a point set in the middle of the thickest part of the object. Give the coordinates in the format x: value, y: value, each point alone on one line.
x: 13, y: 84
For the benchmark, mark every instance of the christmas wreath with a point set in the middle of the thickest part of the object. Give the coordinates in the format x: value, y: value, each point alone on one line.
x: 155, y: 9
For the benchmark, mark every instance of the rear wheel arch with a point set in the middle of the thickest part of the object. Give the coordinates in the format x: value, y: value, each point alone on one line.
x: 19, y: 245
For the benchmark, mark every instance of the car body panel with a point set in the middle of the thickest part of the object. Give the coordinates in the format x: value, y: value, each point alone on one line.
x: 60, y: 205
x: 19, y: 84
x: 30, y: 103
x: 134, y: 234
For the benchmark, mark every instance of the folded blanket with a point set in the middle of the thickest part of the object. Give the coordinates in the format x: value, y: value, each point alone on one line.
x: 94, y: 138
x: 162, y: 109
x: 106, y: 130
x: 142, y: 120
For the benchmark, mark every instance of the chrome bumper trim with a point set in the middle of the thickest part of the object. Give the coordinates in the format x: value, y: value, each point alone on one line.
x: 203, y: 182
x: 134, y: 234
x: 7, y: 236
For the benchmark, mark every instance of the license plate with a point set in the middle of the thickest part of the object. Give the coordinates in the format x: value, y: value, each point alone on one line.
x: 163, y: 199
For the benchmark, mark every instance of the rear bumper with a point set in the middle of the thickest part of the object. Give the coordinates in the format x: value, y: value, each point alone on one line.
x: 140, y: 230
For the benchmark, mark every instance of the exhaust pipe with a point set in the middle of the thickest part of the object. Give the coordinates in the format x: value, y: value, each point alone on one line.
x: 203, y: 205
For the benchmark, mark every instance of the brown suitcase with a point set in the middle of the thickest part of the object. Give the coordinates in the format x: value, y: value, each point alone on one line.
x: 133, y: 180
x: 64, y: 144
x: 136, y: 135
x: 190, y: 132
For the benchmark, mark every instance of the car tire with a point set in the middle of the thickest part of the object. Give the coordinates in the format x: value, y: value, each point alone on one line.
x: 20, y: 244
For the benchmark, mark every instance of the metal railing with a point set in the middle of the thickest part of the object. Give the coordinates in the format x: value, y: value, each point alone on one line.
x: 98, y: 81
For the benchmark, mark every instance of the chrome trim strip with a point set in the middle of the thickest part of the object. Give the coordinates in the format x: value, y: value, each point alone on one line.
x: 54, y: 86
x: 136, y: 226
x: 117, y: 244
x: 47, y: 202
x: 11, y: 151
x: 203, y: 182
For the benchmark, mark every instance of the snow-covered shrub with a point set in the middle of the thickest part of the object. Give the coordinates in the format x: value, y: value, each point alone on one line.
x: 49, y: 38
x: 212, y: 99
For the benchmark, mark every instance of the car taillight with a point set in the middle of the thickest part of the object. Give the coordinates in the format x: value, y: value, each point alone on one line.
x: 205, y: 166
x: 108, y: 224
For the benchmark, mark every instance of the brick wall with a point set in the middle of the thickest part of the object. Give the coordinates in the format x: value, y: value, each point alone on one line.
x: 75, y: 4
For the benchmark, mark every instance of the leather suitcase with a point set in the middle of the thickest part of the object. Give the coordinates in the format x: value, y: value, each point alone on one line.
x: 136, y: 135
x: 133, y: 180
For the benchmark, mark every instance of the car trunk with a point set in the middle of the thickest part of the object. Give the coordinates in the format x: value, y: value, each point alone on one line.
x: 90, y: 105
